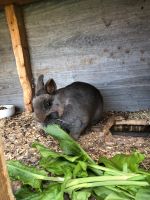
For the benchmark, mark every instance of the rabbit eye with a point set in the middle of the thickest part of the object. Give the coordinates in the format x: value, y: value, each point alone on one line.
x: 48, y: 103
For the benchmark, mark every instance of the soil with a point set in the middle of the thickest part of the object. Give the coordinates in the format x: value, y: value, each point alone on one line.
x: 21, y: 130
x: 3, y: 108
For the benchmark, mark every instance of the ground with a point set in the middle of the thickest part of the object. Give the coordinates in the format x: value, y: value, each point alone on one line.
x: 20, y: 131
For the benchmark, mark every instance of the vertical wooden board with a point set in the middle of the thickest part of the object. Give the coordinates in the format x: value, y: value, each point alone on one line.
x: 5, y: 187
x: 20, y: 48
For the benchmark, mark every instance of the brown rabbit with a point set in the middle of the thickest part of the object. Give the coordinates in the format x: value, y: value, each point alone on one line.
x: 74, y: 107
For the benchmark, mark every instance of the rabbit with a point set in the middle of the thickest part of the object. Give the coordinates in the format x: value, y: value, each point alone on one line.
x: 74, y: 107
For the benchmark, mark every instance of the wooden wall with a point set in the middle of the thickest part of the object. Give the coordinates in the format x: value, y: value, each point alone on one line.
x: 102, y: 42
x: 10, y: 89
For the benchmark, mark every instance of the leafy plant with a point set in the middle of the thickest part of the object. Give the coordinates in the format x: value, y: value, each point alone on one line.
x: 74, y: 172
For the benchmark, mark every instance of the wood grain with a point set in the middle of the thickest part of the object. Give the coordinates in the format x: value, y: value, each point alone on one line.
x: 133, y: 122
x: 20, y: 48
x: 104, y: 43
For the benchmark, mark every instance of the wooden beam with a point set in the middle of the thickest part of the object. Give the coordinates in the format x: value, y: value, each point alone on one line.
x: 20, y: 49
x: 107, y: 125
x: 134, y: 122
x: 5, y: 186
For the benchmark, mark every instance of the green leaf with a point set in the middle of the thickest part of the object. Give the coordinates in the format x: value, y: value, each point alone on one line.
x: 143, y: 194
x: 67, y: 144
x: 27, y: 175
x: 124, y: 162
x: 47, y: 153
x: 148, y: 177
x: 115, y: 196
x: 81, y: 195
x: 52, y: 192
x: 27, y: 194
x: 80, y: 170
x: 55, y: 192
x: 102, y: 192
x: 111, y: 193
x: 57, y: 166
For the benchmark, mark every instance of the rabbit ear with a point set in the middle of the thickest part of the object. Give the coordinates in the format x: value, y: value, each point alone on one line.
x: 40, y: 86
x: 50, y: 86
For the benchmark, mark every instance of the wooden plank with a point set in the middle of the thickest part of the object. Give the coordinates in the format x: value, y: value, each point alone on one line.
x: 20, y: 48
x: 134, y: 122
x: 132, y: 125
x: 5, y: 186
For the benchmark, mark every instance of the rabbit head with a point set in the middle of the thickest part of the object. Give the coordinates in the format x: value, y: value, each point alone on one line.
x: 44, y: 97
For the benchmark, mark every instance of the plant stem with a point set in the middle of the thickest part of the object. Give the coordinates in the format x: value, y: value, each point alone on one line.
x: 107, y: 183
x: 106, y: 169
x: 38, y: 176
x: 55, y: 179
x: 92, y: 179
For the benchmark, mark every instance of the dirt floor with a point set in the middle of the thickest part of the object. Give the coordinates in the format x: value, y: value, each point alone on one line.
x: 20, y: 131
